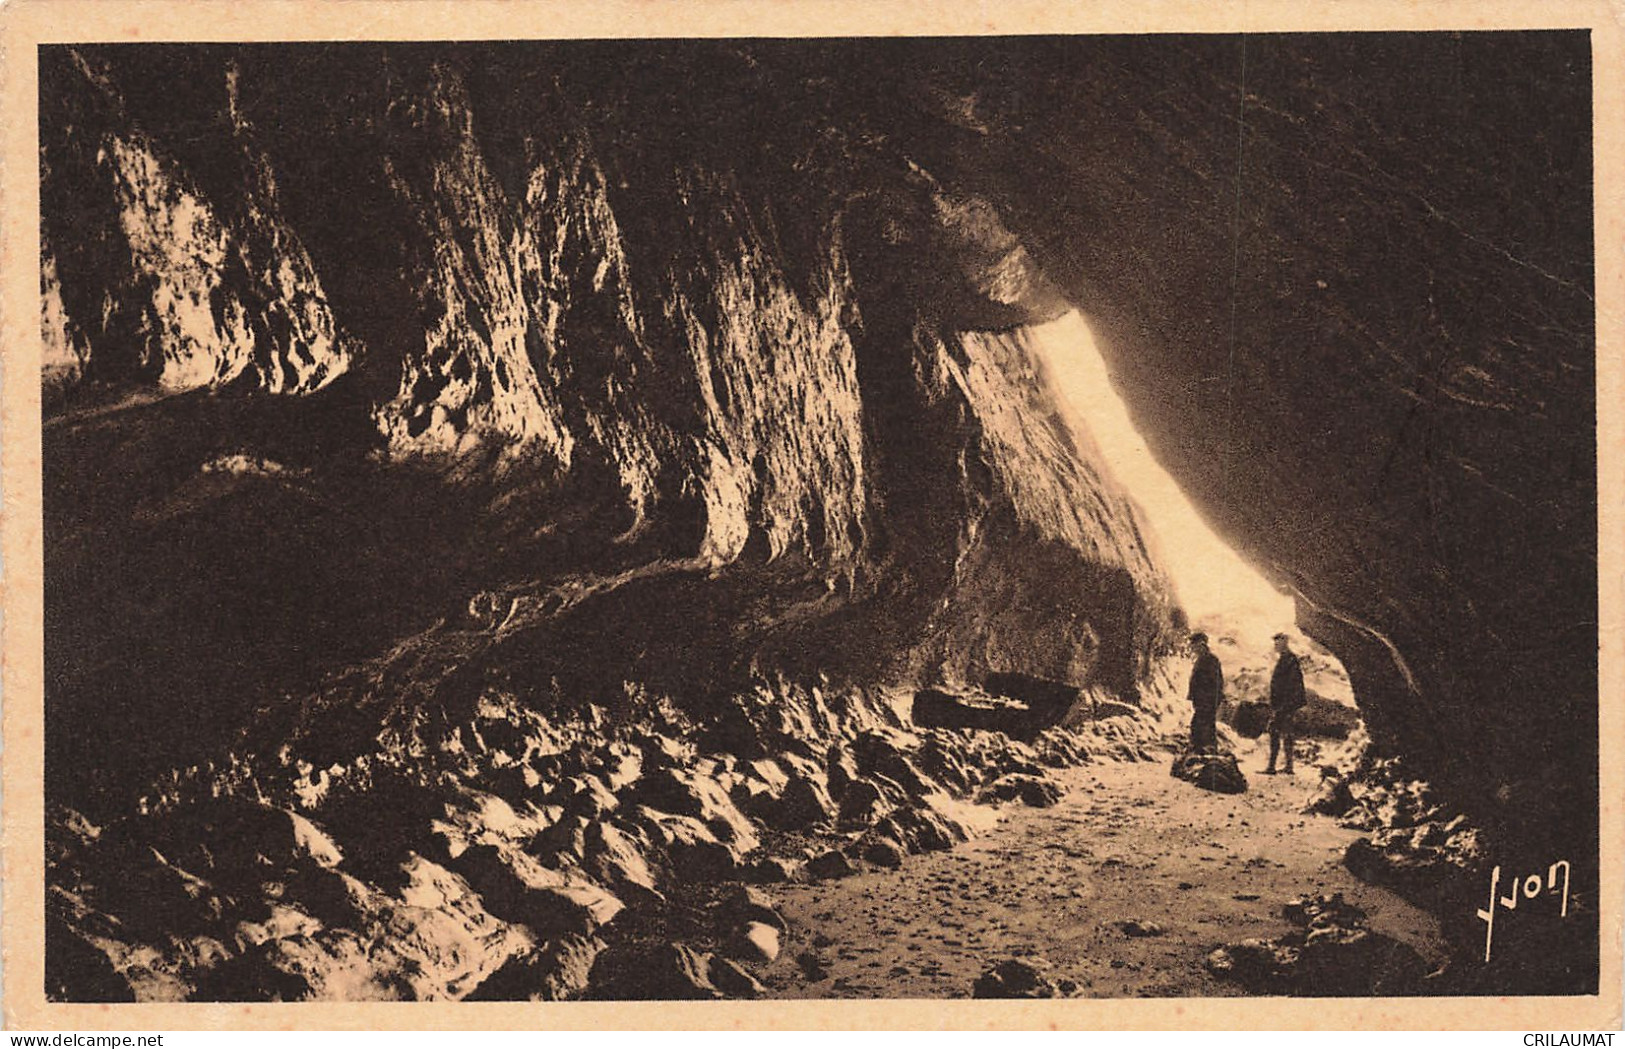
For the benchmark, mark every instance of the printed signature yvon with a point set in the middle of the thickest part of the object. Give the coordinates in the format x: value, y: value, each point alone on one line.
x: 1530, y: 888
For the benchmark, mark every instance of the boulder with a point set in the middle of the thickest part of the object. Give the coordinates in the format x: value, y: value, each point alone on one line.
x: 937, y: 708
x: 153, y: 898
x: 329, y: 895
x: 692, y: 793
x: 617, y: 858
x: 1360, y: 817
x: 1337, y: 961
x: 1138, y: 928
x: 883, y: 755
x: 557, y: 970
x: 621, y: 766
x: 694, y: 851
x: 573, y: 910
x: 1259, y: 965
x: 939, y: 758
x: 796, y: 760
x: 841, y: 770
x: 289, y: 970
x: 431, y: 939
x: 754, y: 797
x: 805, y: 803
x: 730, y: 978
x: 1036, y: 791
x: 482, y: 812
x: 756, y: 942
x: 748, y: 904
x: 516, y: 888
x: 1396, y: 862
x: 1331, y: 953
x: 1057, y: 749
x: 1217, y: 772
x: 773, y: 869
x: 922, y: 829
x: 862, y: 803
x: 1014, y: 979
x: 882, y: 852
x: 830, y: 865
x: 1320, y: 909
x: 563, y: 842
x: 233, y: 837
x: 1324, y: 718
x: 645, y: 972
x: 771, y: 773
x: 663, y: 751
x: 502, y: 877
x: 585, y: 795
x: 1333, y: 798
x: 1047, y: 702
x: 281, y: 922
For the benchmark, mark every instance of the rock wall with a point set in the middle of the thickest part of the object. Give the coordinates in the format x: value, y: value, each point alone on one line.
x: 393, y: 339
x: 187, y: 292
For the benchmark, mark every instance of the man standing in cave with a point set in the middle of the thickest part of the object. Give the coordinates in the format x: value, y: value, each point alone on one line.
x: 1286, y: 698
x: 1205, y: 692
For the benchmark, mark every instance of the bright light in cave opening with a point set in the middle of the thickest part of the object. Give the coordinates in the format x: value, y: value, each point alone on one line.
x: 1212, y: 579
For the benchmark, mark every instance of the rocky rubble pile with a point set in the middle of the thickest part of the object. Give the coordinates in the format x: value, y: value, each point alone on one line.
x: 1330, y: 953
x: 1217, y: 771
x: 1417, y: 843
x: 507, y: 855
x: 1016, y: 978
x: 709, y: 944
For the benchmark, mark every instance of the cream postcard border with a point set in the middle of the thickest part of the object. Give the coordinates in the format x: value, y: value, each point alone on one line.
x: 27, y: 23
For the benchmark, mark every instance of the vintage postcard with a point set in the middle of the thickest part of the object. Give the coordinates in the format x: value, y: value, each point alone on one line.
x: 812, y: 515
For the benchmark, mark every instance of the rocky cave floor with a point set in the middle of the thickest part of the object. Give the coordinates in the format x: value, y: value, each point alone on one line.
x: 934, y: 863
x: 1121, y: 889
x: 1129, y: 883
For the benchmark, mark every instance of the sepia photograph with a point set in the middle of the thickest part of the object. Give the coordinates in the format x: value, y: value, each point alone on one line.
x: 1046, y: 516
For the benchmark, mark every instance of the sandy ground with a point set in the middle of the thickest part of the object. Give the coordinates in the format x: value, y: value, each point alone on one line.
x: 1127, y: 841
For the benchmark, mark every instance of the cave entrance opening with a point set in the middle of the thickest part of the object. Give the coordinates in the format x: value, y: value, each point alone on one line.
x: 1223, y: 595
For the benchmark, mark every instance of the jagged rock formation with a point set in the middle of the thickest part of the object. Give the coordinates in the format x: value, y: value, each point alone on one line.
x: 439, y: 422
x: 613, y: 395
x: 407, y: 380
x: 505, y: 852
x: 1330, y: 954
